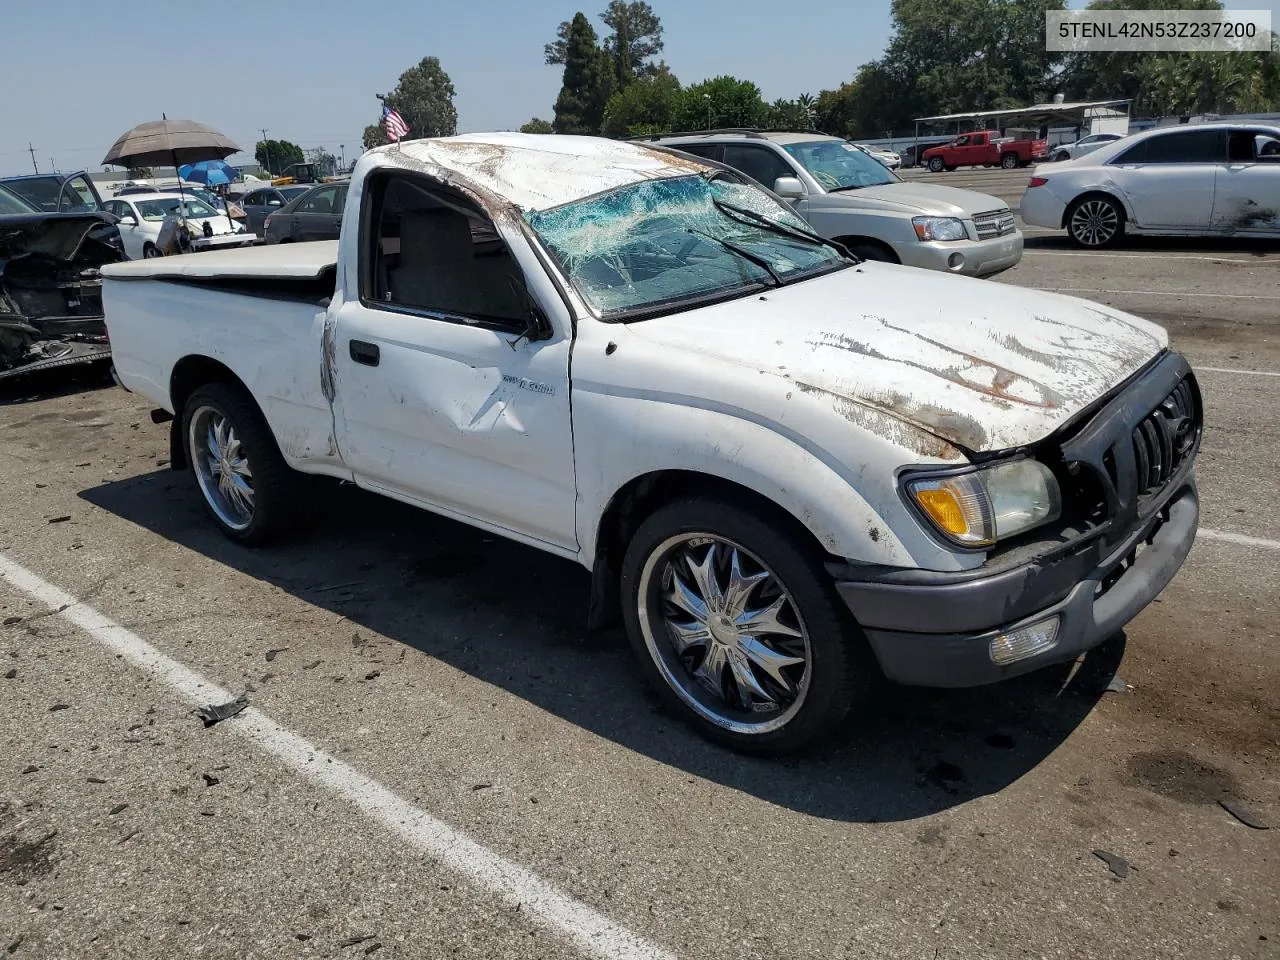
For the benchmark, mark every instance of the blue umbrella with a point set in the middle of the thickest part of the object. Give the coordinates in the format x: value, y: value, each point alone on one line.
x: 209, y: 172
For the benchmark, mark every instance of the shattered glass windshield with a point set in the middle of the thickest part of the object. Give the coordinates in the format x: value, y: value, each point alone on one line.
x: 659, y: 245
x: 158, y: 209
x: 840, y: 166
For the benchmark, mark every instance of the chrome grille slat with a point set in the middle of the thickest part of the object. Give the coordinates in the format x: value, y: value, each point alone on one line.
x: 993, y: 223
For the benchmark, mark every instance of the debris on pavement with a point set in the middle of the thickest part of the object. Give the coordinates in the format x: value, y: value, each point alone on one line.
x: 30, y: 769
x: 272, y: 654
x: 373, y: 675
x: 118, y: 808
x: 481, y: 786
x: 217, y: 713
x: 353, y: 941
x: 312, y: 665
x: 94, y: 780
x: 59, y: 706
x: 1118, y: 864
x: 10, y: 621
x: 1117, y: 685
x: 1244, y: 814
x: 129, y: 836
x: 62, y: 519
x: 210, y: 780
x: 372, y: 948
x: 11, y: 673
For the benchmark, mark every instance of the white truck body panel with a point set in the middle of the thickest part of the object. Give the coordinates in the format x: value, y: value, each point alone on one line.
x: 812, y: 395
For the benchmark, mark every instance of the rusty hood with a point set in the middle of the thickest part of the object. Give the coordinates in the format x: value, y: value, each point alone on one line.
x: 982, y: 365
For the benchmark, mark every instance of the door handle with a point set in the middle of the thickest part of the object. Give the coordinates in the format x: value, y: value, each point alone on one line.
x: 364, y: 352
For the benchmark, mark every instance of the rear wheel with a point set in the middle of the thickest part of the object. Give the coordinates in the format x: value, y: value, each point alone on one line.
x: 739, y: 629
x: 247, y: 488
x: 936, y: 164
x: 1095, y: 222
x: 1009, y: 161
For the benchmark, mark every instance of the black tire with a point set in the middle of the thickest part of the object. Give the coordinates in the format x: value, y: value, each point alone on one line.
x: 1095, y: 221
x: 872, y: 251
x: 1061, y: 155
x: 1010, y: 161
x: 277, y: 491
x: 150, y: 250
x: 936, y: 164
x: 839, y: 669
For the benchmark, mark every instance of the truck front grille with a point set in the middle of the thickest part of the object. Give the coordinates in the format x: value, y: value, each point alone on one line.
x: 994, y: 223
x: 1164, y: 438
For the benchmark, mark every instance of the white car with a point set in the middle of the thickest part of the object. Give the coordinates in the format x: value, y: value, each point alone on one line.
x: 890, y: 159
x: 786, y: 469
x: 1213, y: 179
x: 1068, y: 151
x: 142, y: 215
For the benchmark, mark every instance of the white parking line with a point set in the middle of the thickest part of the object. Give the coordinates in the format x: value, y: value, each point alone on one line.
x: 1165, y: 293
x: 1239, y: 539
x: 1251, y: 373
x: 1147, y: 256
x: 594, y: 933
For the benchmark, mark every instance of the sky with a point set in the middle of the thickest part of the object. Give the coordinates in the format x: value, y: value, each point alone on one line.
x: 76, y: 74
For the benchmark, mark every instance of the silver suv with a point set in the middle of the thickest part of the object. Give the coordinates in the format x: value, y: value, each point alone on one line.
x: 847, y: 195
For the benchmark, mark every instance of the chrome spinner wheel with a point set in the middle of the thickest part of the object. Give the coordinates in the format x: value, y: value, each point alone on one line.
x: 725, y: 633
x: 221, y: 467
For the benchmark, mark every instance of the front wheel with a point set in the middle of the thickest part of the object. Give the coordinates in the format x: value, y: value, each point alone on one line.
x: 1061, y: 155
x: 247, y: 488
x: 739, y: 629
x: 1095, y: 222
x: 1009, y: 161
x: 150, y: 250
x: 936, y: 164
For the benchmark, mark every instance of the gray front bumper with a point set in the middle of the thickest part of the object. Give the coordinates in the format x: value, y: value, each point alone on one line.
x: 916, y: 639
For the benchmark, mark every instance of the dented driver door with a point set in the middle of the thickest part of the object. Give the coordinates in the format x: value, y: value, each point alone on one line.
x: 438, y: 398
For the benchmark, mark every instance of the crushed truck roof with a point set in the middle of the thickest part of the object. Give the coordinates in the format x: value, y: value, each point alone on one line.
x: 538, y: 171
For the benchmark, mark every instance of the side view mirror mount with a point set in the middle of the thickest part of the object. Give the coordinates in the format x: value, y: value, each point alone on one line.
x: 789, y: 188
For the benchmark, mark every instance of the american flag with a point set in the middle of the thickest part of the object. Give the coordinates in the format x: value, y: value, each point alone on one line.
x: 395, y: 126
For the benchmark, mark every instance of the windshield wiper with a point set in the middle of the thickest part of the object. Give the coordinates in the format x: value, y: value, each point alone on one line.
x: 774, y: 227
x: 745, y: 254
x: 849, y: 186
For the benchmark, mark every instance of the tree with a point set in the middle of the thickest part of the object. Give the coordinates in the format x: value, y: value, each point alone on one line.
x: 835, y: 110
x: 720, y: 102
x: 1172, y: 83
x: 587, y: 84
x: 275, y: 155
x: 643, y: 108
x: 325, y: 162
x: 375, y: 135
x: 424, y: 99
x: 537, y: 125
x: 636, y: 38
x: 797, y: 114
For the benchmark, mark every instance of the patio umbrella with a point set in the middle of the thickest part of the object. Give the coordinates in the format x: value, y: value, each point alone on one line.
x: 169, y: 141
x: 212, y: 173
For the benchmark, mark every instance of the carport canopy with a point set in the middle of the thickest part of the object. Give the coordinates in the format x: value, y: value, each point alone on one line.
x: 1062, y: 112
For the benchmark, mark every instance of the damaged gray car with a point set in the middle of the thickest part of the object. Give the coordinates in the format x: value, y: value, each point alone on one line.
x: 50, y: 287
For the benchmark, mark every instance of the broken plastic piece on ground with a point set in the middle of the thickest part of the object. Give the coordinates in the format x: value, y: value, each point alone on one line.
x: 1118, y: 864
x: 352, y: 941
x: 218, y: 712
x: 1117, y: 685
x: 1243, y: 814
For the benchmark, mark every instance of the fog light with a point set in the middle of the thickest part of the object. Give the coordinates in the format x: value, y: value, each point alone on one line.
x: 955, y: 261
x: 1025, y: 641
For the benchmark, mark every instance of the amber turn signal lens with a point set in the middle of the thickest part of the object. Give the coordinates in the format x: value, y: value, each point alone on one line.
x: 944, y: 509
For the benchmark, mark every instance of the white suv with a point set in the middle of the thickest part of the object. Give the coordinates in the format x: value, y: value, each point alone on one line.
x: 847, y: 195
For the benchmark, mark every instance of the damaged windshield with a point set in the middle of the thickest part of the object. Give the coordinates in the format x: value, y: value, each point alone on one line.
x: 838, y: 165
x: 661, y: 244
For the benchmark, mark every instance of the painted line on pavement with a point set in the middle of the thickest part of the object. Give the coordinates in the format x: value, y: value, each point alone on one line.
x: 1165, y: 293
x: 541, y: 902
x: 1251, y: 373
x: 1239, y: 539
x: 1149, y: 256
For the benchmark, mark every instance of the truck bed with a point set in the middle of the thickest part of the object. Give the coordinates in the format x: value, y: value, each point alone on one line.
x: 292, y: 271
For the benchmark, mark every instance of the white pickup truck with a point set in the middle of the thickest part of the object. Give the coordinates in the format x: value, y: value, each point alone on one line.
x: 789, y: 470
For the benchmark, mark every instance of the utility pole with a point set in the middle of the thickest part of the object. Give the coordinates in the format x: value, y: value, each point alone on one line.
x: 342, y: 156
x: 266, y: 148
x: 32, y: 150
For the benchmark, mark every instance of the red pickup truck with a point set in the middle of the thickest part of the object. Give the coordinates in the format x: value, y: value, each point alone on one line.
x: 984, y: 148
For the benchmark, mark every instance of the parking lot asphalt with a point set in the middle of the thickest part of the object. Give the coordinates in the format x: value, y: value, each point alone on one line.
x: 438, y: 761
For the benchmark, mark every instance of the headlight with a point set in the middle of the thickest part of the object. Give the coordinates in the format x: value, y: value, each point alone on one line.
x: 978, y: 508
x: 939, y: 228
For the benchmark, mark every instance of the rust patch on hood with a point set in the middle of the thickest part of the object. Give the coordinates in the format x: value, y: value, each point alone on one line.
x: 901, y: 423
